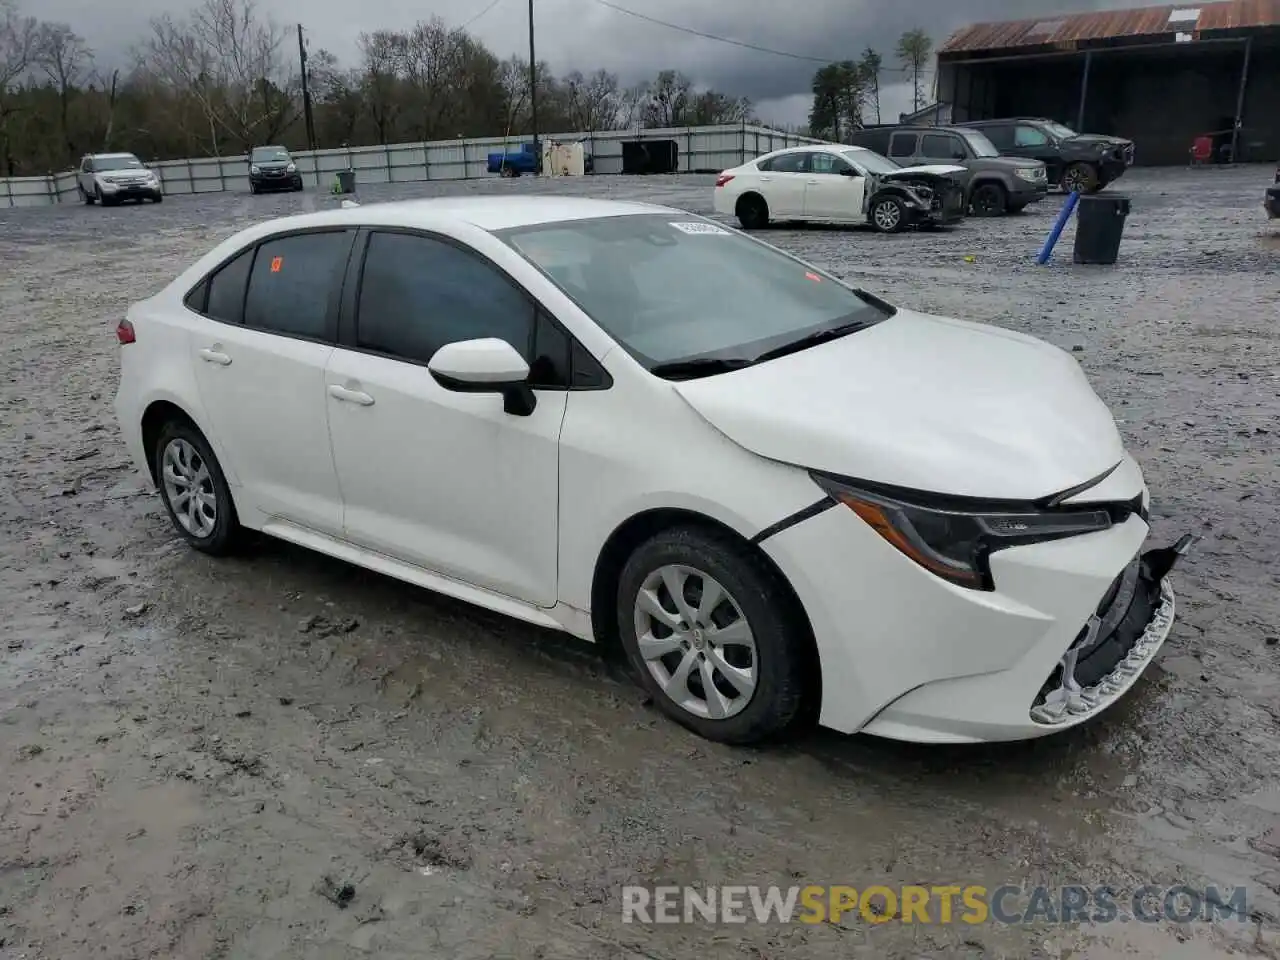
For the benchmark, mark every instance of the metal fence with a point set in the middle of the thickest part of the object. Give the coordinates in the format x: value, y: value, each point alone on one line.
x: 701, y: 149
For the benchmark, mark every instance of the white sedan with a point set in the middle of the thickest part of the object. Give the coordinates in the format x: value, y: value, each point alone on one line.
x: 831, y: 183
x: 624, y: 421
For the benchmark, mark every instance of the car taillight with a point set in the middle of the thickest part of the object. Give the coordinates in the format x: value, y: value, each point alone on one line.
x: 124, y: 332
x: 723, y: 179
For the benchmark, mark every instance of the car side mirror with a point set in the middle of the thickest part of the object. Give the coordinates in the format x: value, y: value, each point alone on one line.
x: 959, y: 155
x: 848, y: 172
x: 487, y: 365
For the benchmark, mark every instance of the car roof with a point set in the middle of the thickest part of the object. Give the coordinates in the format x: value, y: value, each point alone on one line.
x: 108, y: 156
x: 811, y: 148
x: 974, y: 123
x: 487, y: 213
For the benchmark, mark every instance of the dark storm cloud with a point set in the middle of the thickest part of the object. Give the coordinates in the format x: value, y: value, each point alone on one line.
x: 585, y: 34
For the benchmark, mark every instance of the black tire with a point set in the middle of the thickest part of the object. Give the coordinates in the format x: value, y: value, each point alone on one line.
x: 84, y: 197
x: 885, y: 221
x: 226, y: 533
x: 989, y: 200
x: 752, y: 211
x: 97, y: 193
x: 1082, y: 177
x: 253, y: 188
x: 781, y: 661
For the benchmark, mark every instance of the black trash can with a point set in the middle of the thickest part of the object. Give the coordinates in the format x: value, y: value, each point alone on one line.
x: 1099, y: 227
x: 346, y: 181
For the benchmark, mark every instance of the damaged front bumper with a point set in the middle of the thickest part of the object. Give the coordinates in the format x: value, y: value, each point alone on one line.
x: 1116, y: 644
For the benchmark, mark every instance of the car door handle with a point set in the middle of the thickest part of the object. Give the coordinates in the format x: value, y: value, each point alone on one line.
x: 215, y: 356
x: 811, y: 181
x: 350, y: 396
x: 766, y: 179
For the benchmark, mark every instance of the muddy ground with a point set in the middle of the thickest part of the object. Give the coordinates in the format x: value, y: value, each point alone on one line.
x: 188, y: 747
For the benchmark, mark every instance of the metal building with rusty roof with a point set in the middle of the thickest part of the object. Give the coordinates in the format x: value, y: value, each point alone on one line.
x: 1160, y: 76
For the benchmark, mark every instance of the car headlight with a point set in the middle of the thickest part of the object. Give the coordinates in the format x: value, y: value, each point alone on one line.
x: 291, y: 168
x: 255, y: 169
x: 1029, y: 173
x: 952, y: 537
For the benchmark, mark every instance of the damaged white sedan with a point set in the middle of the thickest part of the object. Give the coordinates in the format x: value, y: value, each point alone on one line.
x: 782, y: 496
x: 831, y: 183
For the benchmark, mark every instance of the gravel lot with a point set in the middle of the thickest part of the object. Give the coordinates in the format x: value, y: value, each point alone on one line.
x: 188, y: 747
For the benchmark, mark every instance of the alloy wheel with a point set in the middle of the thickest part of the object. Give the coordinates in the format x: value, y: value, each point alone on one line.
x: 696, y: 642
x: 188, y: 486
x: 888, y: 215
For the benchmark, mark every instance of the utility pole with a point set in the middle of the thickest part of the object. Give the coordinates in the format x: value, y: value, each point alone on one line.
x: 306, y: 92
x: 533, y: 90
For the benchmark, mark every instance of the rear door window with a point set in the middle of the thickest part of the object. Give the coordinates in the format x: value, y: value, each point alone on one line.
x: 903, y: 145
x: 226, y: 289
x: 999, y: 134
x: 786, y: 163
x: 291, y: 283
x: 941, y: 146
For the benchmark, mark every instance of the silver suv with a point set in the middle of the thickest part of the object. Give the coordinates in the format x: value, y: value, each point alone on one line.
x: 109, y: 178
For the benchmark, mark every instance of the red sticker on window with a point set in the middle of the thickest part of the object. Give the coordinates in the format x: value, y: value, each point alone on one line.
x: 812, y: 276
x: 276, y: 264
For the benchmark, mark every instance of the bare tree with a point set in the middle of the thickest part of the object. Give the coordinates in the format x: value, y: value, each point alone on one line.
x: 913, y: 50
x: 668, y: 99
x: 593, y: 102
x: 513, y: 81
x: 632, y: 105
x: 233, y: 63
x: 383, y: 54
x: 433, y: 55
x: 19, y: 43
x: 66, y: 60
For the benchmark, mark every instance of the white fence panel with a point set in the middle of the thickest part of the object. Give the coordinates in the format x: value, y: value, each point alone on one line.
x: 705, y: 149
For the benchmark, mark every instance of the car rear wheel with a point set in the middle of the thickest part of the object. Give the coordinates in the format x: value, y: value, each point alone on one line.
x: 1081, y: 177
x: 888, y: 215
x: 752, y: 212
x: 194, y: 490
x: 989, y: 200
x: 706, y: 628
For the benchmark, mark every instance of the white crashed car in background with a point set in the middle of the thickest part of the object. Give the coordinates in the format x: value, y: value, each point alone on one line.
x: 109, y: 178
x: 633, y: 424
x: 831, y: 183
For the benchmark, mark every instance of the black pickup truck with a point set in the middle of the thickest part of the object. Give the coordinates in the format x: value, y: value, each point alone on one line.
x: 1086, y: 162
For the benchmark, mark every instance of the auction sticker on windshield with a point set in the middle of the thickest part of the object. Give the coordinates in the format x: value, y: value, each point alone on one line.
x: 695, y: 227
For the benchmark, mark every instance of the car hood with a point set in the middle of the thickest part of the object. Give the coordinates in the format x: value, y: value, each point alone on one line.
x: 124, y: 172
x: 922, y: 402
x: 1089, y: 139
x: 1009, y: 164
x: 929, y: 169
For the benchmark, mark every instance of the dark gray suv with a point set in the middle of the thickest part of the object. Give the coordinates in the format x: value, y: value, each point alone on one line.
x: 997, y: 185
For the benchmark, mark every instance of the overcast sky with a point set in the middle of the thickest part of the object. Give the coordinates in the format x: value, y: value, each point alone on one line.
x: 586, y: 35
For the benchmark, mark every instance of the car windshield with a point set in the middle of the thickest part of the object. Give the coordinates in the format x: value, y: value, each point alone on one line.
x: 980, y: 144
x: 676, y: 289
x: 1059, y: 130
x: 117, y: 161
x: 871, y: 161
x: 270, y: 154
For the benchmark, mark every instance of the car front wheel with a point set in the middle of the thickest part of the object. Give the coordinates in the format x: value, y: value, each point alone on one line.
x: 1080, y: 177
x: 708, y: 630
x: 888, y: 215
x: 194, y: 490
